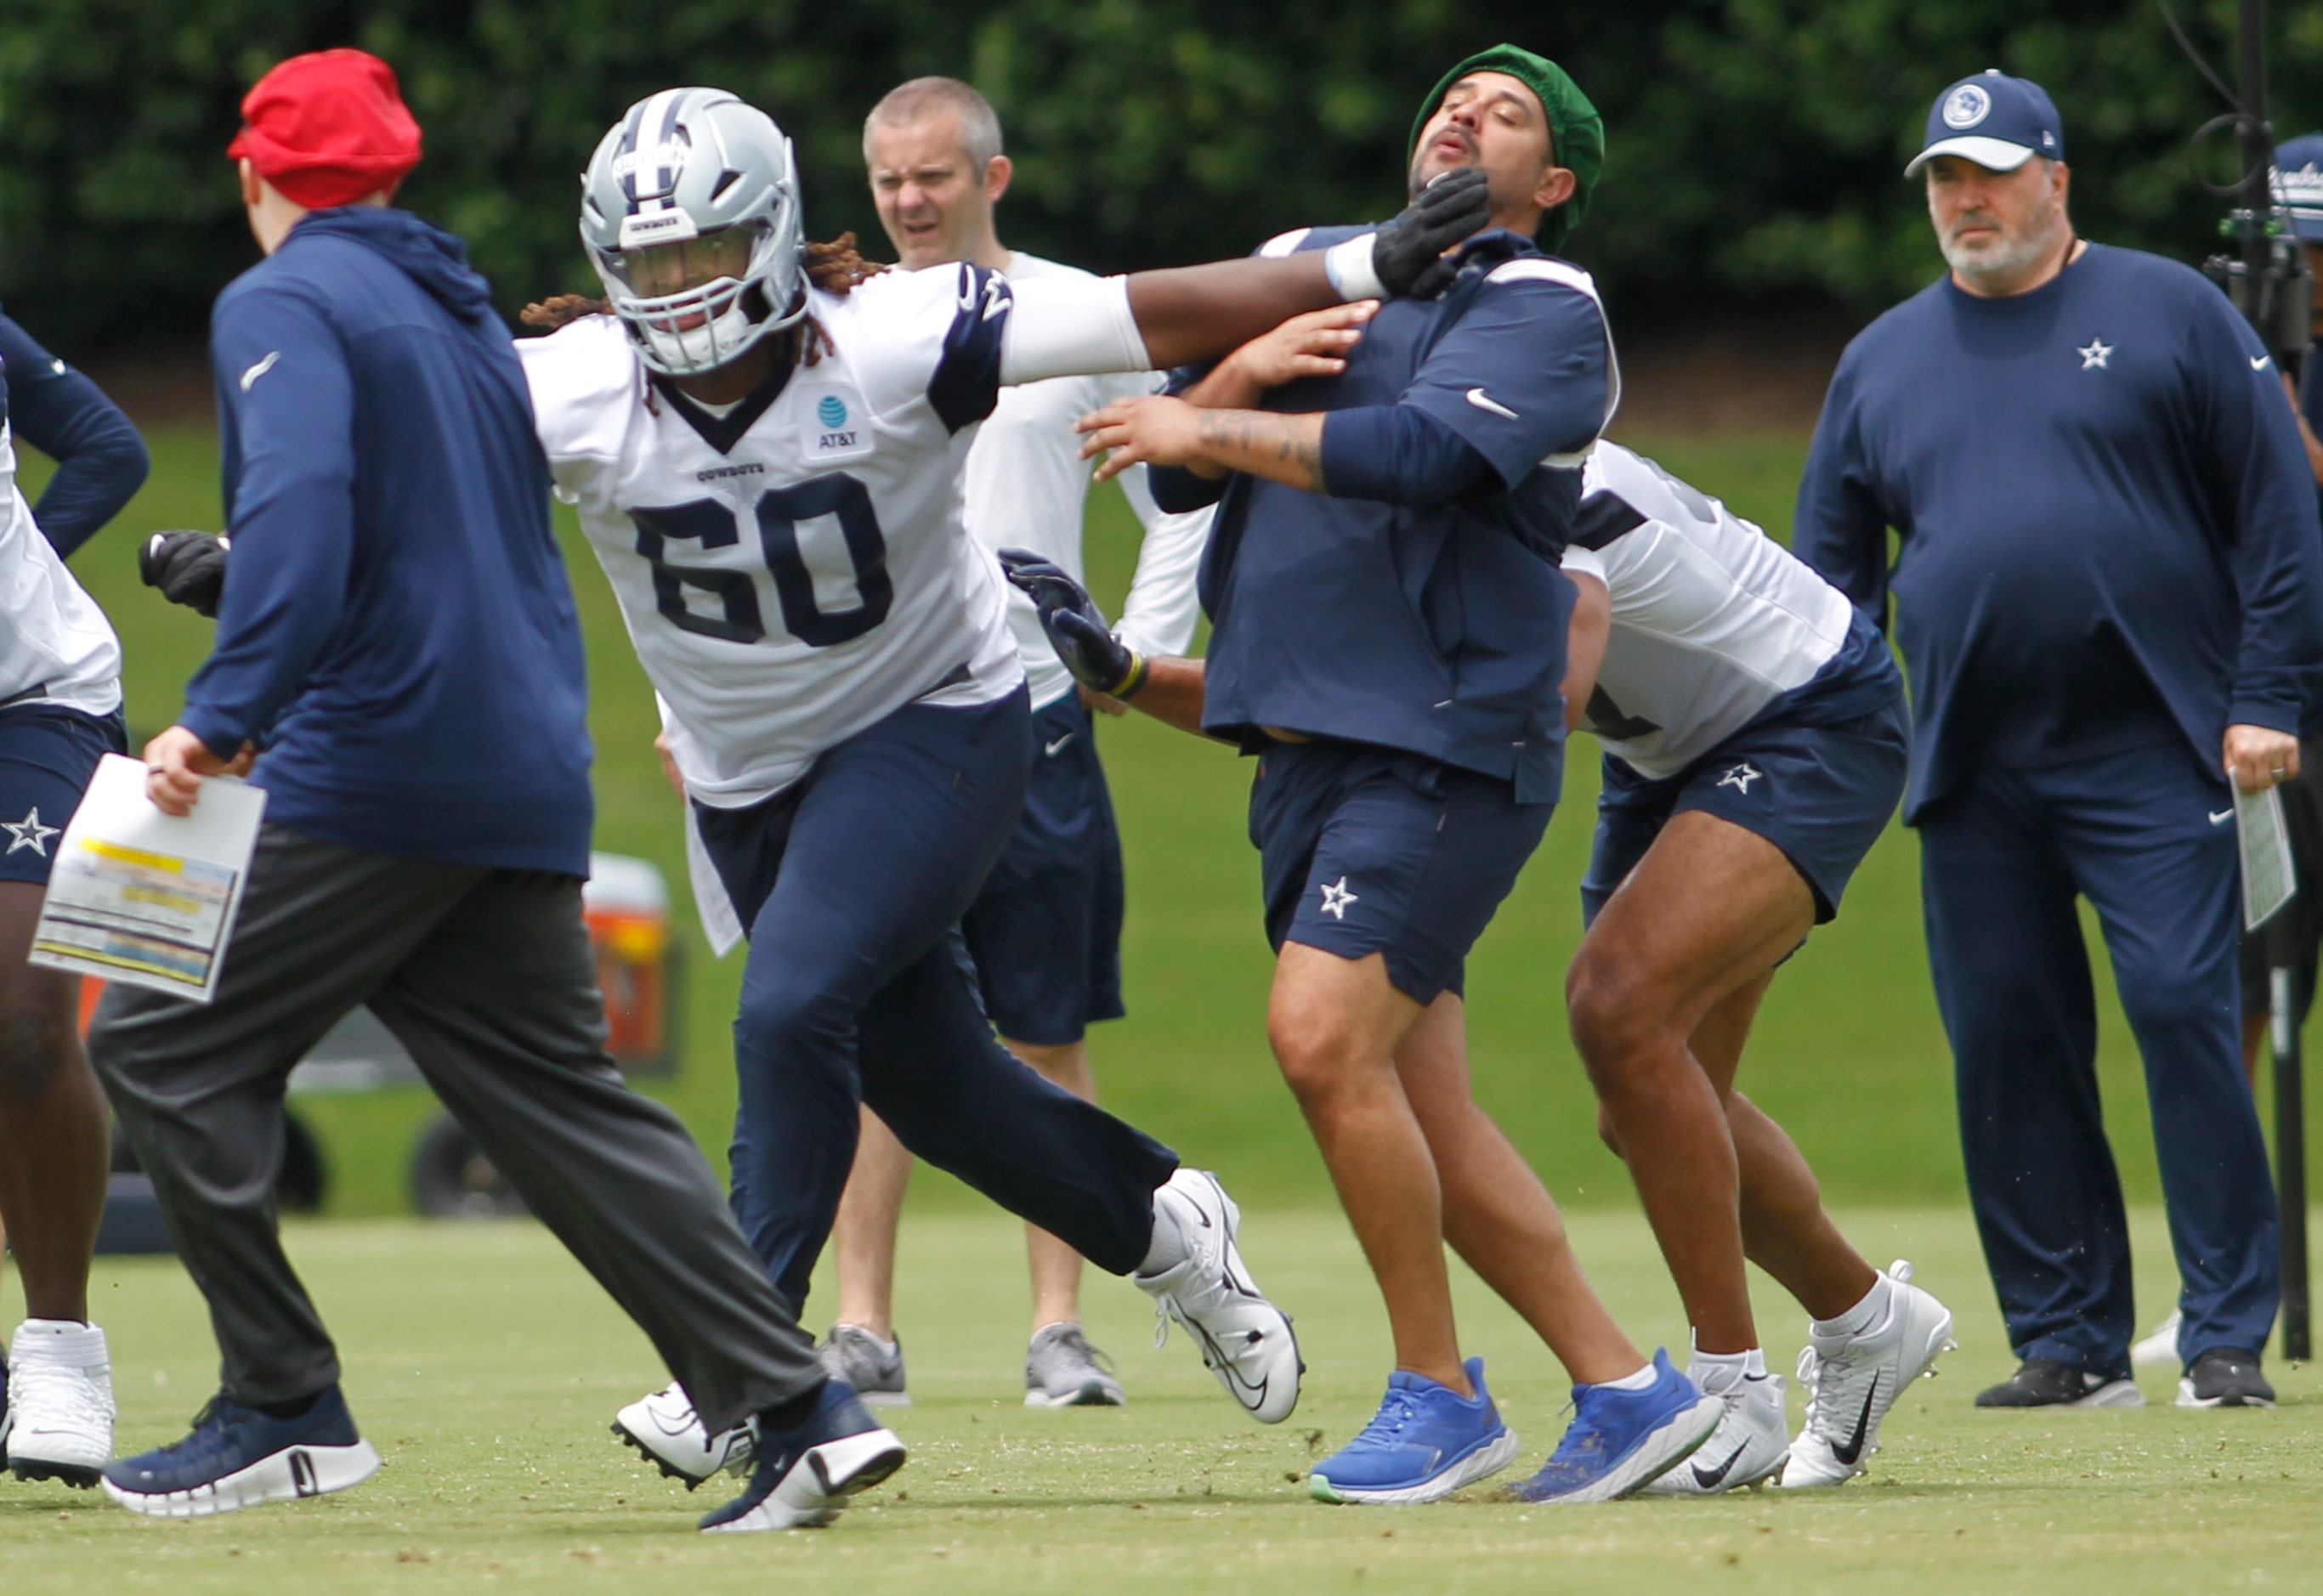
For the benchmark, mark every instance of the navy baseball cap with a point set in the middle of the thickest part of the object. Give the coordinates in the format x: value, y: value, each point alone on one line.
x: 2299, y: 183
x: 1994, y: 120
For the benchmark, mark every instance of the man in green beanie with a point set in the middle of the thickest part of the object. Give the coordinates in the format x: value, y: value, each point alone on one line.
x: 1394, y: 483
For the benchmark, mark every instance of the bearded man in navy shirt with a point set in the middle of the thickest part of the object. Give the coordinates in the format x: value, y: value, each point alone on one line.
x: 2109, y: 597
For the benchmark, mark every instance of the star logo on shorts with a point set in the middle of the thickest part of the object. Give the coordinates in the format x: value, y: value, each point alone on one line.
x: 29, y: 832
x: 1337, y: 897
x: 1740, y: 777
x: 2094, y: 354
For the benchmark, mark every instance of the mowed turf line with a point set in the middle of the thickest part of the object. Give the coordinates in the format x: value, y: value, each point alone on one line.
x: 1849, y: 1053
x: 485, y: 1367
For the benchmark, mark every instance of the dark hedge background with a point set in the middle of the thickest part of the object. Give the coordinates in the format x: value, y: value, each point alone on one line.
x: 1755, y: 144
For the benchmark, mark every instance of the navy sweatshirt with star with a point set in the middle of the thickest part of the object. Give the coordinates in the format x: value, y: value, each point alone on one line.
x: 2106, y: 528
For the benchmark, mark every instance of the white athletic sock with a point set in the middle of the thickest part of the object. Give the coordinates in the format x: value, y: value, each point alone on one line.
x: 1872, y: 1310
x: 1169, y: 1249
x: 1641, y: 1381
x: 1720, y: 1372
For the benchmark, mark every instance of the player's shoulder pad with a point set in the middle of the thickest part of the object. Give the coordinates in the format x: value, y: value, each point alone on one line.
x: 891, y: 330
x: 585, y: 378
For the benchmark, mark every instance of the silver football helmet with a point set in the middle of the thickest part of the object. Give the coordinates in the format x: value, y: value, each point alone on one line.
x: 690, y: 211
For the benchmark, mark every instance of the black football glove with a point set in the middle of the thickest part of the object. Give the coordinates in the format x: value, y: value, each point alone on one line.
x: 189, y: 567
x: 1098, y: 660
x: 1408, y: 251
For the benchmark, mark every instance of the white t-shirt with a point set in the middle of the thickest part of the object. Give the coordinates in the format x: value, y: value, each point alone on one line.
x: 1712, y: 620
x: 797, y: 569
x: 55, y: 643
x: 1028, y: 488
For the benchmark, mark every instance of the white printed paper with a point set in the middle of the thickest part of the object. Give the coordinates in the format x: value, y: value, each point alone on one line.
x: 2269, y: 879
x: 145, y: 897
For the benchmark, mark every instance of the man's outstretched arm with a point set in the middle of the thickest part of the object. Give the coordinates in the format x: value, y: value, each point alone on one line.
x: 1170, y: 689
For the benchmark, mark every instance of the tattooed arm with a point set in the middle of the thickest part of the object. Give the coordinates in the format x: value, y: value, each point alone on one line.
x: 1161, y: 431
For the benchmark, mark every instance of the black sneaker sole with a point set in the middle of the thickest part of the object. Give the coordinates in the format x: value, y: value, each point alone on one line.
x: 80, y: 1476
x: 669, y: 1471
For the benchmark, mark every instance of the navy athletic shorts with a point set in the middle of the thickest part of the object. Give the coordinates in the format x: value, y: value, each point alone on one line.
x: 1367, y: 850
x: 1821, y: 793
x: 1046, y: 931
x: 47, y: 755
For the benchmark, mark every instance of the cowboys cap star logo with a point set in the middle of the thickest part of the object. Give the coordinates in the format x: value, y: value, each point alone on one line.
x: 1740, y: 777
x: 29, y: 832
x: 2094, y: 354
x: 1337, y: 897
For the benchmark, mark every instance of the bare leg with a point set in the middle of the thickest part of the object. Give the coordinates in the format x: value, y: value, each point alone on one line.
x: 2255, y: 1027
x: 1056, y: 1267
x: 1711, y: 909
x: 863, y: 1234
x: 1497, y: 1214
x: 55, y: 1133
x: 1335, y: 1024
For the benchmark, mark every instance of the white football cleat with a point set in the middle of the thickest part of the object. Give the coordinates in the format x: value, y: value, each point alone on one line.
x: 60, y: 1410
x: 1246, y: 1340
x: 2160, y: 1348
x: 1752, y: 1439
x: 665, y: 1428
x: 1852, y: 1381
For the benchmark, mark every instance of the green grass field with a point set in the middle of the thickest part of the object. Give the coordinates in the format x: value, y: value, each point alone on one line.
x: 485, y: 1367
x: 1849, y: 1051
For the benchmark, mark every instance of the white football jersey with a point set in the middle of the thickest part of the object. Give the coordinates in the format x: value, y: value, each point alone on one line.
x: 1712, y: 620
x: 1028, y: 488
x: 794, y: 571
x: 55, y: 644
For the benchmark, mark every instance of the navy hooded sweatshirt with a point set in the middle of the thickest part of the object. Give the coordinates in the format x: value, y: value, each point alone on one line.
x: 2107, y: 527
x: 397, y: 632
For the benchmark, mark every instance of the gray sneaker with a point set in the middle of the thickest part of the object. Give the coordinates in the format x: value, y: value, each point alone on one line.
x: 874, y: 1367
x: 1063, y: 1369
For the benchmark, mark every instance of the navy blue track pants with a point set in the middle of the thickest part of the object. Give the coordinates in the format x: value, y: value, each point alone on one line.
x: 852, y: 882
x: 2002, y: 861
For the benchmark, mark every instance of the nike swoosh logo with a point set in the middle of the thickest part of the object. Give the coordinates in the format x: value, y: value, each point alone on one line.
x: 2261, y: 362
x: 1052, y: 748
x: 259, y: 370
x: 1854, y: 1447
x: 1484, y: 401
x: 1712, y: 1479
x: 2222, y: 816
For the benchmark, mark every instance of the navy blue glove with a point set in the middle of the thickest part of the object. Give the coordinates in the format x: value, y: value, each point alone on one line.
x: 1098, y: 660
x: 189, y: 567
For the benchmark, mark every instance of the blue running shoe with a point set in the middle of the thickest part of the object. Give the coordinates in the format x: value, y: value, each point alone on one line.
x: 1622, y: 1441
x: 1426, y: 1442
x: 238, y: 1457
x: 803, y: 1477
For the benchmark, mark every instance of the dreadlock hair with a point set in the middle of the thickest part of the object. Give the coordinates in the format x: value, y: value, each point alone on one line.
x: 835, y: 267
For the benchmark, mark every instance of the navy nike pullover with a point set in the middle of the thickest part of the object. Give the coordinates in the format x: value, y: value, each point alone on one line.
x: 397, y: 632
x: 2107, y: 529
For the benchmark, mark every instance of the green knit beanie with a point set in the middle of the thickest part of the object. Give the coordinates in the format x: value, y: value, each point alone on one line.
x: 1576, y: 131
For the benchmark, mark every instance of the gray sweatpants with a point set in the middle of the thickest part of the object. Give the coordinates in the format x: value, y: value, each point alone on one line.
x: 487, y: 978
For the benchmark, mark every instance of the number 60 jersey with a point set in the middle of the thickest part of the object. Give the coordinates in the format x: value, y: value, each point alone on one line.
x: 797, y: 568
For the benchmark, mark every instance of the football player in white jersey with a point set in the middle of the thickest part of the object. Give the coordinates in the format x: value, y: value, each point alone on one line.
x: 768, y: 469
x: 1045, y: 930
x: 1755, y: 733
x: 60, y: 713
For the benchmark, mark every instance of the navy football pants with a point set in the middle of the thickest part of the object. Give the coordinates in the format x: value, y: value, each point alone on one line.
x: 2001, y: 863
x: 852, y: 882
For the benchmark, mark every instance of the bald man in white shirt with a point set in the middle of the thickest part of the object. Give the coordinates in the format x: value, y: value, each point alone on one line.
x: 1045, y: 933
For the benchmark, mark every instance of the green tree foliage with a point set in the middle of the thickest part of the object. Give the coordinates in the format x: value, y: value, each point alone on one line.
x: 1756, y: 145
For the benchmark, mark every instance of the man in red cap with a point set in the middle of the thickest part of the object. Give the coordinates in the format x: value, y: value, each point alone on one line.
x: 398, y: 653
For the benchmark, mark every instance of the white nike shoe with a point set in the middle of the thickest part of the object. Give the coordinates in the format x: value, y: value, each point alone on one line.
x: 1852, y: 1381
x: 665, y: 1428
x: 2159, y: 1349
x: 1748, y: 1445
x: 1246, y: 1340
x: 60, y: 1411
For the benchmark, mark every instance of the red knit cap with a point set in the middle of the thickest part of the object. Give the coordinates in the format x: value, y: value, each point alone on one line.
x: 328, y: 128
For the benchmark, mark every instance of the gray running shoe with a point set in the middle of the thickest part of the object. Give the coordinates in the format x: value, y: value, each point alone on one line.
x: 1063, y: 1369
x: 874, y: 1367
